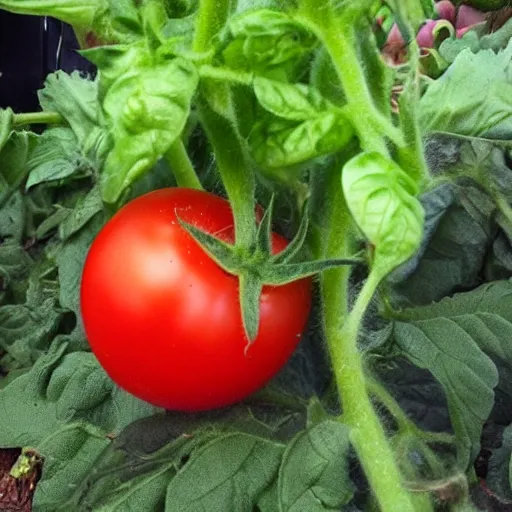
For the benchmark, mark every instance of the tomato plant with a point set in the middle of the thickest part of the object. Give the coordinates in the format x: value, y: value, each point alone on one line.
x: 164, y: 319
x: 153, y: 344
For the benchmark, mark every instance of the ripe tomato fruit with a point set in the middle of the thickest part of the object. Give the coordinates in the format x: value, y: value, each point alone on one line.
x: 164, y: 320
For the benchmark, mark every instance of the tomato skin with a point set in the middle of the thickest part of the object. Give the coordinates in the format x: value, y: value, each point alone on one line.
x: 164, y: 320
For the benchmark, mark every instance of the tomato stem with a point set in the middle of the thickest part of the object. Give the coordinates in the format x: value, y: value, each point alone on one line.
x: 37, y: 118
x: 218, y: 117
x: 211, y: 18
x: 341, y: 329
x: 181, y: 166
x: 224, y: 74
x: 404, y: 423
x: 367, y: 120
x: 410, y: 156
x: 335, y: 282
x: 235, y: 169
x: 367, y: 432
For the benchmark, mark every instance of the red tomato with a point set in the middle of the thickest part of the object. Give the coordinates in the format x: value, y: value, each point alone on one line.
x: 164, y: 320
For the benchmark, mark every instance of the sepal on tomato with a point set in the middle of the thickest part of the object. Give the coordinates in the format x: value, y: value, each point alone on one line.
x: 259, y: 267
x: 294, y: 247
x: 250, y: 293
x: 264, y: 234
x: 221, y: 252
x: 278, y: 275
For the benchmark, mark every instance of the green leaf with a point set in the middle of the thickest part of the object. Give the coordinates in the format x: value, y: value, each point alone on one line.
x: 118, y: 22
x: 56, y: 156
x: 178, y: 32
x: 13, y: 162
x: 75, y: 98
x: 263, y: 22
x: 382, y: 200
x: 138, y: 105
x: 77, y: 405
x: 80, y: 15
x: 487, y: 5
x: 14, y: 262
x: 499, y: 475
x: 467, y: 376
x: 145, y: 492
x: 39, y: 204
x: 52, y: 222
x: 418, y: 393
x: 295, y: 102
x: 137, y: 468
x: 12, y: 217
x: 475, y: 41
x: 114, y: 61
x: 276, y: 143
x: 178, y: 9
x: 314, y: 474
x: 457, y: 340
x: 485, y: 110
x: 229, y: 473
x: 70, y: 260
x: 268, y: 42
x: 26, y: 331
x: 69, y: 453
x: 432, y: 63
x: 269, y: 501
x: 132, y: 473
x: 154, y: 17
x: 87, y: 207
x: 461, y: 217
x: 499, y: 263
x: 457, y: 234
x: 303, y: 124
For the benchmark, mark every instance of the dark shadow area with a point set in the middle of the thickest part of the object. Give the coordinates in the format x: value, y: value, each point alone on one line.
x: 30, y: 48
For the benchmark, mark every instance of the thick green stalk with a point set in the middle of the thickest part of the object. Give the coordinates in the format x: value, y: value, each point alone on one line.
x: 367, y: 432
x: 410, y: 156
x: 181, y: 166
x: 234, y: 168
x: 338, y: 243
x: 340, y: 43
x: 218, y: 118
x: 341, y: 331
x: 226, y: 75
x: 37, y: 118
x: 413, y: 12
x: 210, y: 19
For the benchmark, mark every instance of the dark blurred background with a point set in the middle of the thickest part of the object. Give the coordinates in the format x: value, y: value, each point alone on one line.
x: 30, y: 48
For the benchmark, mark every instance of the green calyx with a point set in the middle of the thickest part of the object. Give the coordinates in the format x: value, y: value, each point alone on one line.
x: 257, y: 266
